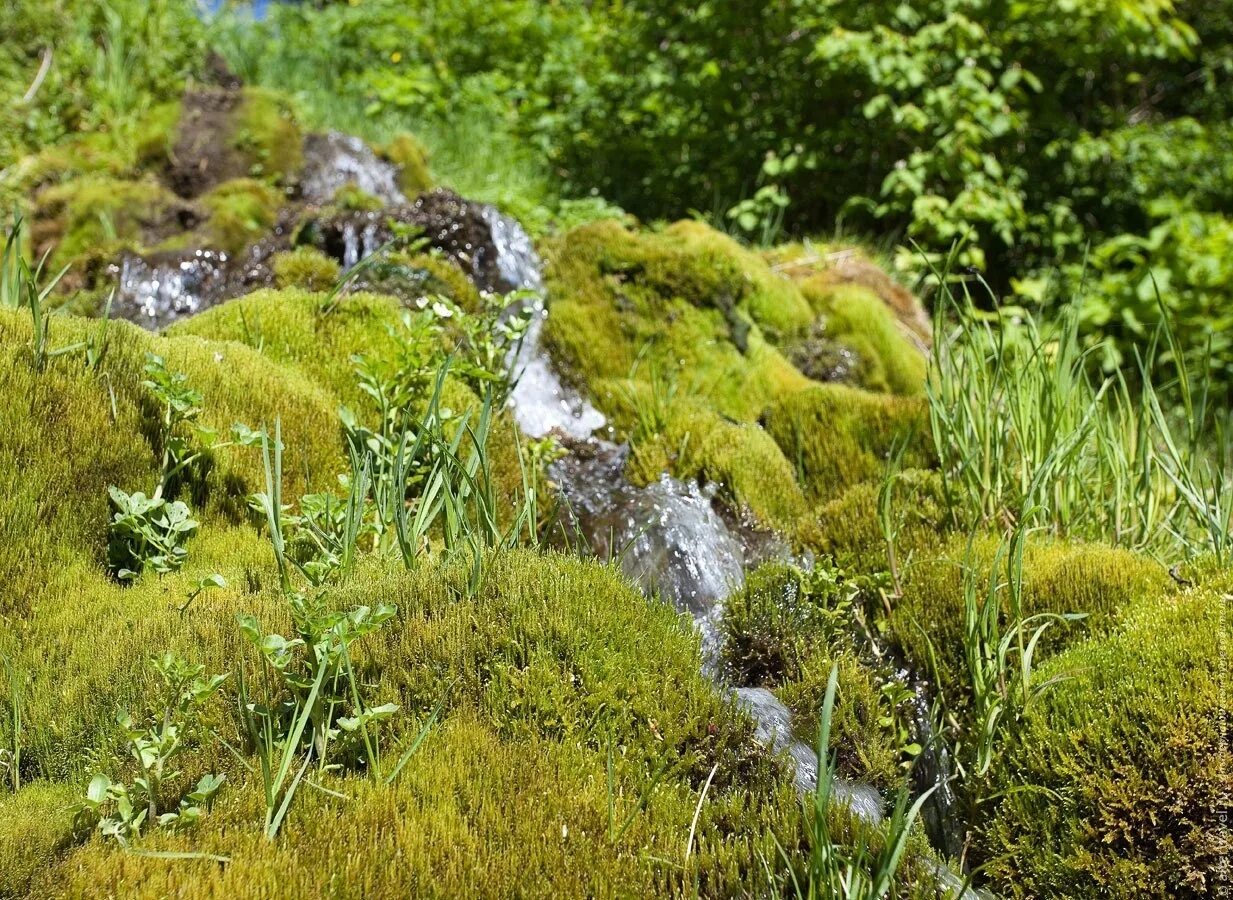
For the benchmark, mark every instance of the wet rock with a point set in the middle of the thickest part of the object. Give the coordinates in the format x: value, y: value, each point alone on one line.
x: 155, y: 290
x: 333, y: 160
x: 492, y: 249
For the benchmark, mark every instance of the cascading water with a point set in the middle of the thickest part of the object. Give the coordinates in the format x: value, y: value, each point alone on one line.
x: 158, y: 289
x: 333, y: 160
x: 667, y: 535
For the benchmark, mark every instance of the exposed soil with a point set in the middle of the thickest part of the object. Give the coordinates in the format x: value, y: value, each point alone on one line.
x: 203, y: 157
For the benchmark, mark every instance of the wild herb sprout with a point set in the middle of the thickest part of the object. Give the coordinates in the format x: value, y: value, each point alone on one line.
x: 205, y: 584
x: 855, y: 871
x: 121, y: 811
x: 319, y: 702
x: 146, y: 534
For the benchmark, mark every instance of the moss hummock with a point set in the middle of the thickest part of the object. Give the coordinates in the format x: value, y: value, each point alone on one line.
x: 1117, y: 782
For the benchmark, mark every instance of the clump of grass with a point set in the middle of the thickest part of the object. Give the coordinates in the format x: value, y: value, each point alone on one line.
x: 855, y: 869
x: 1020, y: 424
x: 999, y: 654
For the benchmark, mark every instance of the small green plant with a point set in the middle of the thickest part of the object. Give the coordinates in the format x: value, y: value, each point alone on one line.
x: 120, y: 810
x: 888, y: 523
x: 855, y: 870
x: 210, y: 581
x: 317, y: 714
x: 760, y: 216
x: 21, y: 286
x: 146, y: 534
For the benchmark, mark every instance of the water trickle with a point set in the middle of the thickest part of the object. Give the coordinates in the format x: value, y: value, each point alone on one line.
x: 333, y: 160
x: 517, y: 262
x: 540, y: 402
x: 156, y: 290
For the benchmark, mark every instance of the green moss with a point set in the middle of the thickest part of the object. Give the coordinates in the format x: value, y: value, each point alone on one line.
x: 94, y: 216
x: 1115, y: 783
x: 68, y: 432
x: 887, y: 360
x: 692, y: 441
x: 1059, y: 576
x: 786, y: 629
x: 838, y: 436
x: 305, y: 267
x: 679, y: 305
x: 118, y: 152
x: 773, y: 302
x: 847, y: 527
x: 350, y: 197
x: 37, y: 829
x: 287, y: 326
x: 410, y: 155
x: 241, y: 211
x: 265, y: 132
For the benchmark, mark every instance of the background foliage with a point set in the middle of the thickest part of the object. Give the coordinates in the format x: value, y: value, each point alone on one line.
x: 1072, y: 147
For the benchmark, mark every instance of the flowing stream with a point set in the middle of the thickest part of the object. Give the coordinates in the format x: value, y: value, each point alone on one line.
x: 669, y: 536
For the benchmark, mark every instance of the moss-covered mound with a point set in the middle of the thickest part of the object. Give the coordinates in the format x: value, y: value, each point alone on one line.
x: 785, y: 630
x: 1094, y: 580
x: 576, y: 728
x: 690, y: 343
x: 1118, y: 782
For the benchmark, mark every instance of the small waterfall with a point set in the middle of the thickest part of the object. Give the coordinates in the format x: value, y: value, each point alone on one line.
x: 667, y: 536
x: 155, y: 290
x: 517, y: 262
x: 333, y: 160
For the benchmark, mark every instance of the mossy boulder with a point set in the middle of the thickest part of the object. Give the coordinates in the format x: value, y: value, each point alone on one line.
x: 411, y: 156
x: 224, y: 134
x: 70, y: 431
x: 307, y: 268
x: 688, y: 305
x: 1059, y: 577
x: 1115, y: 782
x: 240, y: 211
x: 90, y: 219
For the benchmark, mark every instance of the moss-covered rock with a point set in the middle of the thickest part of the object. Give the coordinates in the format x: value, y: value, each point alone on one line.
x: 1059, y: 576
x: 1114, y: 785
x: 93, y: 218
x: 689, y: 305
x: 411, y: 156
x: 69, y: 431
x: 307, y: 268
x: 240, y: 211
x: 837, y: 436
x: 224, y: 133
